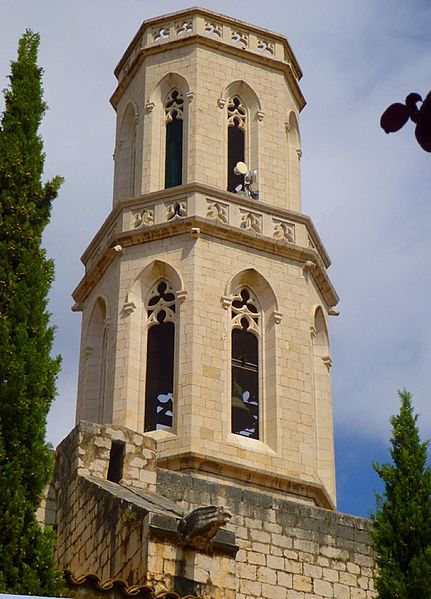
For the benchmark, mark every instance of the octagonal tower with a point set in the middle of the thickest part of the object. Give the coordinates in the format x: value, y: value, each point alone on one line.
x: 205, y: 299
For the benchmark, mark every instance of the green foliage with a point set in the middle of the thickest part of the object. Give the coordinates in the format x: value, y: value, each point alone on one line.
x: 27, y: 372
x: 402, y: 522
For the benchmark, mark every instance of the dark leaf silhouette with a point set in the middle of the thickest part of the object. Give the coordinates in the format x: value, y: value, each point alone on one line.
x: 397, y: 115
x: 394, y: 117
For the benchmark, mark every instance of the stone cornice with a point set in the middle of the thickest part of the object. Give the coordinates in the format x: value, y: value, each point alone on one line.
x: 228, y: 233
x: 181, y: 192
x: 137, y: 51
x: 197, y: 10
x: 190, y: 461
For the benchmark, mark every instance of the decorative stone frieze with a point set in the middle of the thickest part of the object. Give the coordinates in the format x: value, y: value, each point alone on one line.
x: 213, y: 28
x: 240, y: 38
x: 176, y: 210
x: 218, y: 211
x: 251, y: 221
x: 284, y: 230
x: 266, y: 46
x: 143, y: 217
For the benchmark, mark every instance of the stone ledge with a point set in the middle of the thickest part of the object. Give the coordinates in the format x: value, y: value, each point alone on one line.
x: 219, y: 231
x: 267, y: 482
x: 182, y: 192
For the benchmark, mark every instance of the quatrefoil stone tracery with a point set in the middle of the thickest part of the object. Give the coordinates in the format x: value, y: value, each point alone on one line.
x: 251, y: 221
x: 236, y: 113
x: 217, y: 211
x: 283, y: 230
x: 240, y: 38
x: 161, y: 33
x: 161, y: 302
x: 184, y: 27
x: 245, y: 311
x: 143, y: 217
x: 213, y: 28
x: 174, y: 105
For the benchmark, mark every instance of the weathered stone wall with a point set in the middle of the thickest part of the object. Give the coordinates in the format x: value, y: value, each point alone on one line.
x: 272, y: 548
x: 286, y: 550
x: 98, y: 529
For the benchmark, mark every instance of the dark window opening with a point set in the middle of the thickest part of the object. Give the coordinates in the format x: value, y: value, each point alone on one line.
x: 174, y: 151
x: 235, y: 153
x: 116, y: 461
x: 160, y: 374
x: 245, y: 382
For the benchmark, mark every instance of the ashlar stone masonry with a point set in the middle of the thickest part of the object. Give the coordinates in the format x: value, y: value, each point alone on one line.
x: 271, y: 548
x: 204, y: 375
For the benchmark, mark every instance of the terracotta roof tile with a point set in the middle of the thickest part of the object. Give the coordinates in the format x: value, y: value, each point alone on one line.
x: 116, y: 584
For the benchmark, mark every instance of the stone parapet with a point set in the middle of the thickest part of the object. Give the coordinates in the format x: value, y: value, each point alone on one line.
x: 197, y: 25
x: 220, y: 214
x: 286, y: 550
x: 271, y: 547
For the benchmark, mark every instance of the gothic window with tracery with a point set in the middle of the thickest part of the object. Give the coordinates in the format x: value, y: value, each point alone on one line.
x: 245, y: 364
x: 236, y: 119
x: 159, y: 386
x: 174, y: 117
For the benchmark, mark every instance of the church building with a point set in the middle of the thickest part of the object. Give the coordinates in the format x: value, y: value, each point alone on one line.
x: 202, y: 462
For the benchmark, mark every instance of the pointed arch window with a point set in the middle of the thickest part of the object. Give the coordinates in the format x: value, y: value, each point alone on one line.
x: 159, y: 386
x: 245, y: 365
x: 125, y: 155
x: 236, y: 119
x: 174, y: 117
x: 96, y: 365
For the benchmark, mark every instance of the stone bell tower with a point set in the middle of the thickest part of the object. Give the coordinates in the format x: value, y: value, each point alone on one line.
x: 206, y: 297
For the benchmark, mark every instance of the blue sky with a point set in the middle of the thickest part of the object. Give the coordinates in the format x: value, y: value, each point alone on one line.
x: 368, y: 194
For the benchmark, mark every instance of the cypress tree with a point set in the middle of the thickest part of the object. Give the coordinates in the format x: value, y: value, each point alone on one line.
x: 402, y: 522
x: 27, y: 372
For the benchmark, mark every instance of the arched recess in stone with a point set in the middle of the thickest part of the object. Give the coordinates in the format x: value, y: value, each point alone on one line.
x: 248, y: 294
x: 294, y: 154
x: 157, y: 120
x: 323, y: 399
x: 125, y: 154
x: 96, y: 361
x: 145, y: 302
x: 251, y: 105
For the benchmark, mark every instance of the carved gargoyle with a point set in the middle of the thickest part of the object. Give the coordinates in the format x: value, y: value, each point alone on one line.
x: 201, y: 525
x: 397, y: 115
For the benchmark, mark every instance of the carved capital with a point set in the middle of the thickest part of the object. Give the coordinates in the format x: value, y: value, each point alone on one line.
x: 190, y: 96
x: 260, y: 115
x: 277, y: 316
x: 226, y: 302
x: 181, y: 295
x: 221, y: 102
x: 149, y: 107
x: 327, y: 360
x: 129, y: 307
